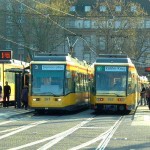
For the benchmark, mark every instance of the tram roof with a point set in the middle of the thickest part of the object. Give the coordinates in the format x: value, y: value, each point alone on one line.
x: 16, y: 70
x: 113, y: 58
x: 52, y: 57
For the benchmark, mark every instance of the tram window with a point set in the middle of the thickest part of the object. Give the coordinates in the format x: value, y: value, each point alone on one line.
x: 131, y: 83
x: 52, y: 79
x: 69, y: 86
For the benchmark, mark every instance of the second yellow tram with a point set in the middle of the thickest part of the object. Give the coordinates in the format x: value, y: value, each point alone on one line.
x: 116, y: 84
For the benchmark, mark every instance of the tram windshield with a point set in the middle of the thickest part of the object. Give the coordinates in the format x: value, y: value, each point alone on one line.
x: 47, y: 79
x: 111, y: 80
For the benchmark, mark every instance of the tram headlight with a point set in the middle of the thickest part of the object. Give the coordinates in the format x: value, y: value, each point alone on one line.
x: 36, y: 99
x: 121, y: 99
x: 58, y: 99
x: 100, y: 99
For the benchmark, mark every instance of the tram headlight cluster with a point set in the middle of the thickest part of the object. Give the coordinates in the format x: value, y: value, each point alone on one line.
x: 36, y: 99
x: 121, y: 99
x: 100, y: 99
x: 58, y: 99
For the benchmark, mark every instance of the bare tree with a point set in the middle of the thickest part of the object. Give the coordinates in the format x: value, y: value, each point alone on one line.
x: 119, y: 24
x: 38, y: 25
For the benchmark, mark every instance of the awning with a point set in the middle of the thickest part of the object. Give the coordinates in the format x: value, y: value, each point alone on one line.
x: 16, y: 70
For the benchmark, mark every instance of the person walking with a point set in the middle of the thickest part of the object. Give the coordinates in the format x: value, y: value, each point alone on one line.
x: 0, y: 94
x: 0, y: 91
x: 24, y: 97
x: 7, y: 92
x: 143, y: 95
x: 148, y: 97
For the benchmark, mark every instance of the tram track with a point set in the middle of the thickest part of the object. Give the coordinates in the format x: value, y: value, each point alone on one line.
x: 52, y: 140
x: 105, y: 137
x: 55, y: 140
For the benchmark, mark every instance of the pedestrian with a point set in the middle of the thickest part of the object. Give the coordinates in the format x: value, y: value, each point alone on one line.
x: 0, y: 91
x: 7, y: 92
x: 24, y: 97
x: 147, y: 89
x: 148, y: 97
x: 143, y: 95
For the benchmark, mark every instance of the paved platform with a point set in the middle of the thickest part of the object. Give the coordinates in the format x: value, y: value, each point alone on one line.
x: 142, y: 116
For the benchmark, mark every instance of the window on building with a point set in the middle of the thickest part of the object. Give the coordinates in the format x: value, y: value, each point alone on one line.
x: 102, y: 24
x: 94, y: 24
x: 125, y: 24
x: 87, y: 24
x: 102, y: 43
x: 118, y: 9
x: 133, y: 8
x: 102, y: 8
x: 110, y: 23
x: 73, y: 8
x: 79, y: 23
x: 87, y: 8
x: 147, y: 24
x: 141, y: 24
x: 118, y: 24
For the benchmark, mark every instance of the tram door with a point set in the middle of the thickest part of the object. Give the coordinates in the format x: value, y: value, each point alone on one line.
x: 18, y: 88
x: 20, y: 80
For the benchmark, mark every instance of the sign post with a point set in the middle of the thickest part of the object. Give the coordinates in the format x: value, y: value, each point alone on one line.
x: 5, y: 55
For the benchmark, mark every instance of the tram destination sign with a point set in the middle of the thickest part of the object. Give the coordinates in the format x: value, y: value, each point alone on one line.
x: 5, y: 55
x: 112, y: 68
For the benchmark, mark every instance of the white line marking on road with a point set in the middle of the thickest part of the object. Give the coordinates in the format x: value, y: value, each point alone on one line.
x: 22, y: 129
x: 102, y: 136
x: 93, y: 127
x: 70, y: 131
x: 108, y: 136
x: 43, y: 140
x: 10, y: 129
x: 5, y: 122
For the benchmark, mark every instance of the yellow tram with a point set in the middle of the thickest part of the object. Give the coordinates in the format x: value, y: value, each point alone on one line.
x: 116, y: 84
x: 8, y: 72
x: 59, y: 82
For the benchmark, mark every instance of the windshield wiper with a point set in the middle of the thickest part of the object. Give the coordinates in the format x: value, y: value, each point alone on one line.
x: 48, y: 93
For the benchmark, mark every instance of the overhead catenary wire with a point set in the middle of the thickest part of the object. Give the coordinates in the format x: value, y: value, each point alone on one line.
x: 19, y: 44
x: 59, y: 10
x: 47, y: 16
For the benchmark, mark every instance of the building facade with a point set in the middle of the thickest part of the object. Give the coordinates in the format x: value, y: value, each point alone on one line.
x: 94, y: 27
